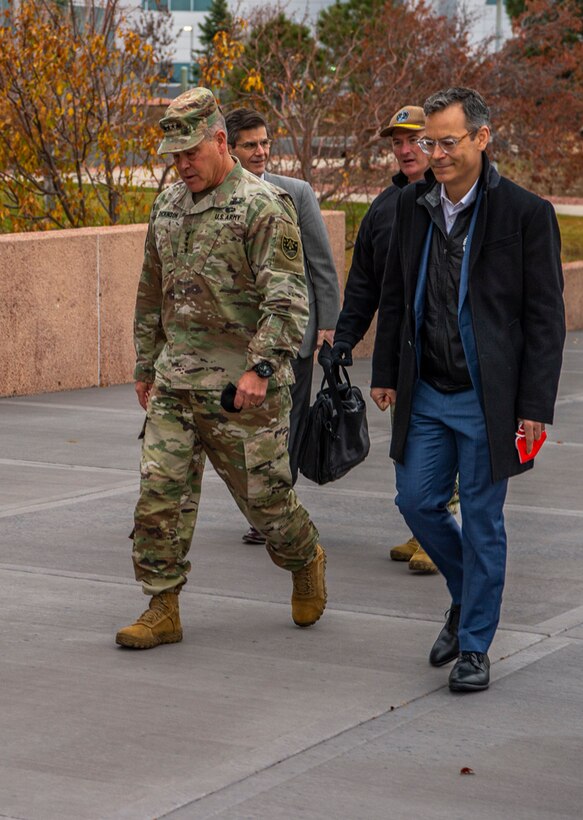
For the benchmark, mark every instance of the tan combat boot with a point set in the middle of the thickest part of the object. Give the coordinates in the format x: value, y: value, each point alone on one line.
x: 422, y: 563
x: 309, y: 593
x: 160, y: 623
x: 404, y: 552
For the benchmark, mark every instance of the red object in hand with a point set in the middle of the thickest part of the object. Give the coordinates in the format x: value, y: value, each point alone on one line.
x: 521, y: 444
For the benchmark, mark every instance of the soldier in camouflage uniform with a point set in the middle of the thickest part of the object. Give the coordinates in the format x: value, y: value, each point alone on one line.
x: 222, y: 298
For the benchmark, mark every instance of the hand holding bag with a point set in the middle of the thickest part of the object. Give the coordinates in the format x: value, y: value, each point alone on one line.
x: 336, y: 434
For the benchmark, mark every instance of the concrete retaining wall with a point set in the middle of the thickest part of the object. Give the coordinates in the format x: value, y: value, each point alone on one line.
x: 67, y: 301
x: 574, y: 294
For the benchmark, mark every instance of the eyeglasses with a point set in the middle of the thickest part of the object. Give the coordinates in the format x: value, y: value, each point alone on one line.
x: 253, y: 146
x: 447, y: 145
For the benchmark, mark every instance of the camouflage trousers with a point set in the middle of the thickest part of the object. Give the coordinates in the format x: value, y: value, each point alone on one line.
x: 248, y: 451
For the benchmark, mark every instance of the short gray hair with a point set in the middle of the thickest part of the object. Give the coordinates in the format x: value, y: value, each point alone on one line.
x: 473, y: 104
x: 213, y: 129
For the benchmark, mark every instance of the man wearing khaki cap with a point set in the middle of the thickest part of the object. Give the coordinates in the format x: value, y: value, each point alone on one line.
x: 363, y: 287
x: 222, y: 302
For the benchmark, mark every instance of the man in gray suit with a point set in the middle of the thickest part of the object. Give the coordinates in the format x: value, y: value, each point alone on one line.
x: 249, y: 141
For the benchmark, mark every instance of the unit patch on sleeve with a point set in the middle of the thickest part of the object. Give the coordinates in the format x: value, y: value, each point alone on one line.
x: 289, y: 246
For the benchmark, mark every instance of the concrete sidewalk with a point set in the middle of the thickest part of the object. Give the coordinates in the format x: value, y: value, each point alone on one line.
x: 568, y: 210
x: 250, y: 717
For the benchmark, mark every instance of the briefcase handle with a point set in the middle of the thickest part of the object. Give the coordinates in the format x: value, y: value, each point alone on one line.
x: 332, y: 376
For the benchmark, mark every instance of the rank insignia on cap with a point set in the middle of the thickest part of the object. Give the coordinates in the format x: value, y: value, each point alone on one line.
x: 402, y: 116
x: 290, y: 246
x: 174, y: 127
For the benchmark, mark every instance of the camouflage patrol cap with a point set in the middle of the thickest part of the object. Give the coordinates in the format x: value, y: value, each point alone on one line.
x: 186, y: 119
x: 410, y: 117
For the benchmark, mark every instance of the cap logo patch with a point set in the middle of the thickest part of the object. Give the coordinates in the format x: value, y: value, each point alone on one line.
x: 402, y: 116
x: 175, y: 127
x: 290, y: 246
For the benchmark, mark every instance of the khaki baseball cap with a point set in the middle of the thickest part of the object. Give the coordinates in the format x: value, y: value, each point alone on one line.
x: 186, y: 120
x: 410, y: 117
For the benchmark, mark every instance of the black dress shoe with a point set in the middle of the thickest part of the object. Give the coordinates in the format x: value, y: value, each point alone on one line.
x: 471, y: 672
x: 447, y: 647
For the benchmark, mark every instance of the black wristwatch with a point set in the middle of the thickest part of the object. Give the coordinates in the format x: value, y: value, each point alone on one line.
x: 263, y: 369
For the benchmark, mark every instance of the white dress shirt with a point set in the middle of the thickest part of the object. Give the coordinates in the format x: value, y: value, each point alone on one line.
x: 450, y: 211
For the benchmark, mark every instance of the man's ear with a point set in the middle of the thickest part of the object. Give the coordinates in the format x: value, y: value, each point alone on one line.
x: 483, y: 137
x: 221, y: 138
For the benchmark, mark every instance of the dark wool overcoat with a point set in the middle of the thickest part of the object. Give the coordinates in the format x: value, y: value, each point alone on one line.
x: 515, y: 290
x: 365, y: 277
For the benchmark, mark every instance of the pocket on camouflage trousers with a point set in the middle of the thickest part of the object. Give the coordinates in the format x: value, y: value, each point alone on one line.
x: 267, y: 463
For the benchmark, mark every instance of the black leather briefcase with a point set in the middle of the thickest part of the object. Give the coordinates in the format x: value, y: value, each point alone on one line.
x: 336, y: 433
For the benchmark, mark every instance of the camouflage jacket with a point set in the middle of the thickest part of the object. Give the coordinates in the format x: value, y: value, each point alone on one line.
x: 222, y: 285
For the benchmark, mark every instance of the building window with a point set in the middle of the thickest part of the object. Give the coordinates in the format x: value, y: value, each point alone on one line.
x: 177, y: 71
x: 174, y: 5
x: 155, y: 5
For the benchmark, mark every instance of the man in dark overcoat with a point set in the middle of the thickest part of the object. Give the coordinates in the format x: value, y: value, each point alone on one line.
x: 469, y: 337
x: 365, y: 277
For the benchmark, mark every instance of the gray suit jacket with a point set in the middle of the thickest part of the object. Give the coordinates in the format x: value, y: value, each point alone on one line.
x: 321, y: 277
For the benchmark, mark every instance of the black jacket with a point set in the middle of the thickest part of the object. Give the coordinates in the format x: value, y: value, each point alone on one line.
x: 444, y: 364
x: 365, y: 278
x: 515, y: 293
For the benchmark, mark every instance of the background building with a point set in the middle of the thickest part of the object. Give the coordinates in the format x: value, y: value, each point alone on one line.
x: 187, y: 15
x: 486, y: 20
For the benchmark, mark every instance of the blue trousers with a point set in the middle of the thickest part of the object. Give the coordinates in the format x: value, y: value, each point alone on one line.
x: 447, y: 435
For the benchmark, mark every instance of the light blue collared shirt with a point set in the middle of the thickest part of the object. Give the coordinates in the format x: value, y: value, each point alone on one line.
x: 450, y: 211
